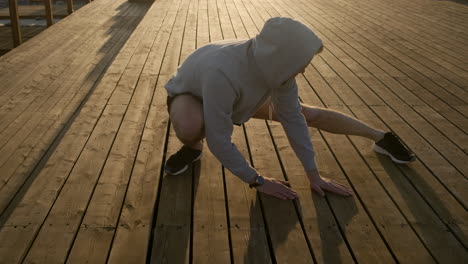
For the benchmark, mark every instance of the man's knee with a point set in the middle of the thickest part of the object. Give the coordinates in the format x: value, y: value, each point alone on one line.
x: 189, y: 131
x: 312, y: 114
x: 187, y: 118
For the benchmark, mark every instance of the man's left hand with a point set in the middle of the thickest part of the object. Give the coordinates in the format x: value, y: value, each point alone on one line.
x: 320, y: 184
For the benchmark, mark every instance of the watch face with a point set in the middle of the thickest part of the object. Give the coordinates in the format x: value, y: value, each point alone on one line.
x: 260, y: 180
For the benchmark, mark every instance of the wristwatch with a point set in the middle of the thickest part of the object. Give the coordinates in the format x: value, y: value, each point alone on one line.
x: 259, y: 180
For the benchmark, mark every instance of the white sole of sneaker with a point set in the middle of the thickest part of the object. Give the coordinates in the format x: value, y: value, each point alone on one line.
x: 382, y: 151
x: 184, y: 168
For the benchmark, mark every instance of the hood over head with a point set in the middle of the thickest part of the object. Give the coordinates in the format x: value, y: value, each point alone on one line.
x: 283, y: 48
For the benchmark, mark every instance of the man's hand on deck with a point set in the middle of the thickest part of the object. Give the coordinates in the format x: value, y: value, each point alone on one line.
x: 320, y: 185
x: 278, y: 188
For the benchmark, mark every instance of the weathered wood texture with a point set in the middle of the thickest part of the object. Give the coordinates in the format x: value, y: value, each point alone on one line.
x: 84, y: 134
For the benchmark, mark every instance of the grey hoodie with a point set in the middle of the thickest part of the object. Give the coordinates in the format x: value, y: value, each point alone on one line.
x: 234, y: 78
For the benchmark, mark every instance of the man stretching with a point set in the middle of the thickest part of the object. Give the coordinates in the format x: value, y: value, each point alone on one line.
x: 227, y: 83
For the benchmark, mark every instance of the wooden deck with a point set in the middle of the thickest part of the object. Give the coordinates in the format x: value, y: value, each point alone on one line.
x: 84, y: 134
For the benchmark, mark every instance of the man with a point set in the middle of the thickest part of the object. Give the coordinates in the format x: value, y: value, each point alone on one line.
x: 226, y: 83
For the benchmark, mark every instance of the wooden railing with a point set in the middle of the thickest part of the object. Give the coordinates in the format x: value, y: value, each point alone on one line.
x: 15, y: 17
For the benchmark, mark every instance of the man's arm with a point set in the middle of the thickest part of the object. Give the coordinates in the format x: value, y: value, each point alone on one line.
x: 289, y: 112
x: 218, y: 101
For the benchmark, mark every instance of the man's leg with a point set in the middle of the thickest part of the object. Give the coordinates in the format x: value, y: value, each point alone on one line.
x: 338, y: 123
x: 186, y: 115
x: 330, y: 121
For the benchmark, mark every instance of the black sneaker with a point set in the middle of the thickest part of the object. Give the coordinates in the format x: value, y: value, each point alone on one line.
x: 180, y: 161
x: 392, y: 146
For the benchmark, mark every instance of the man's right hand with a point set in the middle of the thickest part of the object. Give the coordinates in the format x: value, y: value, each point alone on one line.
x: 277, y: 188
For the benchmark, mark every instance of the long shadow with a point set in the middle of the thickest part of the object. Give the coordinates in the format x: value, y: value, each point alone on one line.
x: 173, y: 225
x: 435, y: 220
x: 331, y: 239
x: 463, y: 2
x: 277, y: 232
x: 120, y: 28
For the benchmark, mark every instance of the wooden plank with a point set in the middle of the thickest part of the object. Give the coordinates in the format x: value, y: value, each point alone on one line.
x: 45, y: 45
x: 136, y: 220
x: 173, y: 229
x: 216, y: 33
x: 58, y: 88
x: 404, y: 93
x: 40, y: 120
x: 134, y: 227
x: 454, y: 85
x: 339, y: 228
x: 22, y: 160
x: 415, y: 22
x: 131, y: 239
x: 172, y: 235
x: 81, y: 181
x: 210, y: 224
x: 284, y: 228
x: 18, y: 96
x: 443, y: 102
x: 416, y: 197
x: 423, y: 149
x: 434, y: 33
x: 248, y: 235
x: 391, y: 215
x: 190, y: 33
x: 35, y: 91
x: 203, y: 31
x: 44, y: 192
x: 419, y: 212
x: 210, y: 227
x: 321, y: 227
x: 65, y: 215
x: 394, y: 215
x: 225, y: 20
x: 100, y: 221
x: 239, y: 30
x: 385, y: 90
x: 247, y: 228
x: 23, y: 54
x: 421, y: 25
x: 14, y: 18
x: 400, y: 76
x: 24, y: 216
x: 423, y: 152
x: 449, y: 67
